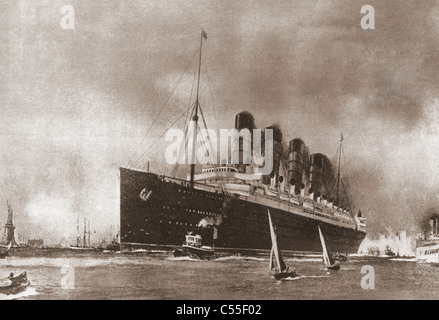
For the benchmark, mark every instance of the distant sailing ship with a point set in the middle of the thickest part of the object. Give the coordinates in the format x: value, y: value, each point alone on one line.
x: 228, y: 203
x: 82, y: 240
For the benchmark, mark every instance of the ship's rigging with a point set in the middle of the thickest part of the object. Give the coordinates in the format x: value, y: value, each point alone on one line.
x: 196, y: 112
x: 341, y: 199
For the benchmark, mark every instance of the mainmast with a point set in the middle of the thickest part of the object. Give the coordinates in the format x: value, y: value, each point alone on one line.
x: 89, y: 245
x: 338, y: 174
x: 78, y: 236
x: 195, y: 117
x: 85, y: 232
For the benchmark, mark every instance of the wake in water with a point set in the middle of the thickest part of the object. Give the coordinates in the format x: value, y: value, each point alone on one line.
x: 304, y: 259
x: 404, y: 259
x: 26, y: 293
x: 183, y: 259
x: 240, y: 258
x: 293, y: 259
x: 107, y: 260
x: 145, y: 251
x: 361, y: 255
x: 302, y: 277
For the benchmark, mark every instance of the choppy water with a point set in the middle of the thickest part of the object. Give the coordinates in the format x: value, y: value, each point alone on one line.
x: 161, y: 276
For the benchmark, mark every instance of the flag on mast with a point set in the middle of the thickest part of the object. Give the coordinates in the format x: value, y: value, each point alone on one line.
x: 204, y: 34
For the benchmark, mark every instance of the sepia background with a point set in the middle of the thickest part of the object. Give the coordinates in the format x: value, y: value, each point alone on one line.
x: 76, y: 104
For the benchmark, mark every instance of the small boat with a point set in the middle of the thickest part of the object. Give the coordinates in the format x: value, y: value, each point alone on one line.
x: 282, y: 271
x: 114, y: 246
x: 14, y: 285
x: 340, y: 257
x: 193, y: 248
x: 329, y: 261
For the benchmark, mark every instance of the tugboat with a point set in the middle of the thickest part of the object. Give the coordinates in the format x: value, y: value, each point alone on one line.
x: 14, y: 285
x: 113, y: 246
x: 193, y: 248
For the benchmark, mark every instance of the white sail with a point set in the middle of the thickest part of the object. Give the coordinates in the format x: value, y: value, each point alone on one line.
x: 326, y: 258
x: 274, y: 242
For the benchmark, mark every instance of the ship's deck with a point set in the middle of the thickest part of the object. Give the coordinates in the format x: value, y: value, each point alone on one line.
x: 275, y: 202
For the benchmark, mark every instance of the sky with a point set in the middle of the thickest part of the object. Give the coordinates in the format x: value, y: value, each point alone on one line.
x: 76, y: 104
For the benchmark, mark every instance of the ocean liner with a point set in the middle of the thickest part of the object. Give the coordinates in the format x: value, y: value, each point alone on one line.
x: 227, y: 204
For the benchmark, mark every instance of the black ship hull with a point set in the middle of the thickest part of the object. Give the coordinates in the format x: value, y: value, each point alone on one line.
x: 160, y: 211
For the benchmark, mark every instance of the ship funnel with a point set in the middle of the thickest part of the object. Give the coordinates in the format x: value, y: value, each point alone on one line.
x: 244, y: 120
x: 321, y: 172
x: 296, y: 160
x: 277, y: 148
x: 302, y: 190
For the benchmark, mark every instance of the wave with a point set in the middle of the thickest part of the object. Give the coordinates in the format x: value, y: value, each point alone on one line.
x: 133, y: 252
x: 368, y: 255
x: 361, y: 255
x: 303, y: 277
x: 70, y: 261
x: 304, y: 259
x: 28, y: 292
x: 434, y: 261
x: 182, y: 259
x: 240, y: 258
x: 404, y: 259
x: 294, y: 259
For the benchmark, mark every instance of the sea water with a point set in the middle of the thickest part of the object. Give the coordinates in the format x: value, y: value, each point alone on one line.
x: 158, y: 275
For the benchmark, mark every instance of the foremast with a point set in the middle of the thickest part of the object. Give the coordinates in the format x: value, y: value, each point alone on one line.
x: 195, y: 116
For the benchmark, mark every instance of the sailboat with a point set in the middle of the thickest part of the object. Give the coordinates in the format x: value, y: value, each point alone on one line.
x: 282, y: 271
x: 85, y: 235
x: 330, y: 263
